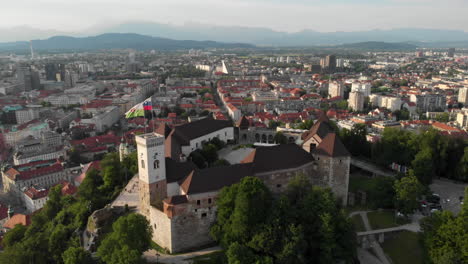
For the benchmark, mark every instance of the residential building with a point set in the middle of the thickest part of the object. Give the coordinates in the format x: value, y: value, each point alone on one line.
x: 429, y: 102
x: 463, y: 95
x: 336, y: 89
x: 356, y: 101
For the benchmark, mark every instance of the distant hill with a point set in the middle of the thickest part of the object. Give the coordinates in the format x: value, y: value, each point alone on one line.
x: 379, y: 46
x: 269, y: 37
x: 117, y: 41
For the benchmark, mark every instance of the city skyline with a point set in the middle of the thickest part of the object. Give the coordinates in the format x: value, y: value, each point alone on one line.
x: 297, y: 15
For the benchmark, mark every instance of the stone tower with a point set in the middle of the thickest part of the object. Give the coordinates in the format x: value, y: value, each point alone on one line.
x: 151, y: 171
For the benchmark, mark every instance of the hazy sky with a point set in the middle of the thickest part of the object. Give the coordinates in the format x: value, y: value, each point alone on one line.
x: 282, y: 15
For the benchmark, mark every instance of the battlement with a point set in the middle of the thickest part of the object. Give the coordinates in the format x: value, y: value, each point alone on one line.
x: 150, y: 140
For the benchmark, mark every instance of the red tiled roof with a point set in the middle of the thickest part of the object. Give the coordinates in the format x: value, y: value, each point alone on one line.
x: 35, y: 193
x: 92, y: 165
x: 33, y: 170
x: 17, y: 219
x: 68, y: 188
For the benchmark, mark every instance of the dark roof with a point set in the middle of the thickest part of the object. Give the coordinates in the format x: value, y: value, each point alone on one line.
x: 176, y: 171
x: 177, y: 199
x: 321, y: 128
x: 213, y: 179
x: 279, y: 157
x: 331, y: 146
x: 193, y: 130
x: 164, y: 130
x: 243, y: 123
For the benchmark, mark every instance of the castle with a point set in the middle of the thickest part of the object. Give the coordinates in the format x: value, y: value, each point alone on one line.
x: 179, y: 199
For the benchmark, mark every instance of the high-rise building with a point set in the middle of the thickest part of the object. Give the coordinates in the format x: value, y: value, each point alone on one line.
x: 451, y: 52
x: 363, y: 87
x: 336, y: 89
x: 356, y: 101
x: 329, y: 63
x: 24, y: 76
x: 55, y: 72
x: 463, y: 96
x: 429, y: 101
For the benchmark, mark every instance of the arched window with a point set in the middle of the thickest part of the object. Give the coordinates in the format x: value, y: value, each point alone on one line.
x: 142, y: 164
x: 156, y: 164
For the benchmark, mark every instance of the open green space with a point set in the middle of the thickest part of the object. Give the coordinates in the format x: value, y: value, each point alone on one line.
x: 358, y: 224
x: 382, y: 219
x: 404, y: 248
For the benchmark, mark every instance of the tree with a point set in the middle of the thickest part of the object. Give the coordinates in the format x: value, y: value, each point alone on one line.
x: 75, y: 255
x: 221, y: 163
x: 274, y: 124
x: 197, y: 158
x: 304, y: 225
x: 445, y: 236
x: 210, y: 153
x: 130, y: 237
x: 14, y: 236
x: 355, y: 140
x: 423, y: 166
x: 462, y: 169
x: 408, y: 191
x: 112, y: 172
x: 306, y: 124
x: 280, y: 138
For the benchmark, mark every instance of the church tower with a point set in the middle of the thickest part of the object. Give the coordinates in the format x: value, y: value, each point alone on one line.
x: 151, y: 171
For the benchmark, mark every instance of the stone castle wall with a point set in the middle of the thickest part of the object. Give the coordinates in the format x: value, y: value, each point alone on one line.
x: 278, y: 181
x: 162, y: 228
x: 191, y: 230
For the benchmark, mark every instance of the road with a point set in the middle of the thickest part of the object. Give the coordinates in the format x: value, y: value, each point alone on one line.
x: 151, y: 257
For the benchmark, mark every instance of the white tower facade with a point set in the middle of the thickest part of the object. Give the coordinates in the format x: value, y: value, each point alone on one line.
x: 151, y: 170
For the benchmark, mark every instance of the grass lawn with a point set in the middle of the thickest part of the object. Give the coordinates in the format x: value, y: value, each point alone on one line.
x: 404, y: 248
x: 217, y: 257
x: 382, y: 219
x: 358, y: 224
x: 360, y: 182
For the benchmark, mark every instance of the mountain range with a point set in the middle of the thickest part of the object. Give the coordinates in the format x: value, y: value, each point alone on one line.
x: 255, y: 35
x: 115, y: 41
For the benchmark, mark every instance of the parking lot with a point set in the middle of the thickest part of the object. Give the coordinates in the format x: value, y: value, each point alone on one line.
x: 449, y: 193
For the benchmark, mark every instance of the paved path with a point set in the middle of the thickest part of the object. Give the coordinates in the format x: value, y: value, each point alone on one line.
x: 368, y: 166
x: 129, y: 194
x: 151, y: 257
x: 374, y: 244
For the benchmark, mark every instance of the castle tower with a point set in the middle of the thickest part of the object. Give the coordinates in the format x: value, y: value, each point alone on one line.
x: 151, y: 171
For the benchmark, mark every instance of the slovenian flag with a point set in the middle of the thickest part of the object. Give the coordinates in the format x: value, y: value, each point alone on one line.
x: 147, y: 105
x: 139, y: 109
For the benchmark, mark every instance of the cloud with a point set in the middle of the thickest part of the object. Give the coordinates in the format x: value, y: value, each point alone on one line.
x: 292, y: 15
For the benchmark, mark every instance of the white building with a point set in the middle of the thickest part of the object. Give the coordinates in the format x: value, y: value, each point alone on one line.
x: 429, y: 101
x: 104, y: 119
x: 233, y: 112
x: 462, y: 119
x: 363, y: 87
x: 186, y: 138
x: 26, y: 115
x: 390, y: 102
x: 35, y: 198
x: 356, y: 101
x: 463, y: 96
x: 336, y: 89
x: 260, y: 96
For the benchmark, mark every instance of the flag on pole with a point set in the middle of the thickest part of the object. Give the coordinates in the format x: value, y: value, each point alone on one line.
x: 135, y: 111
x: 139, y: 109
x: 147, y: 105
